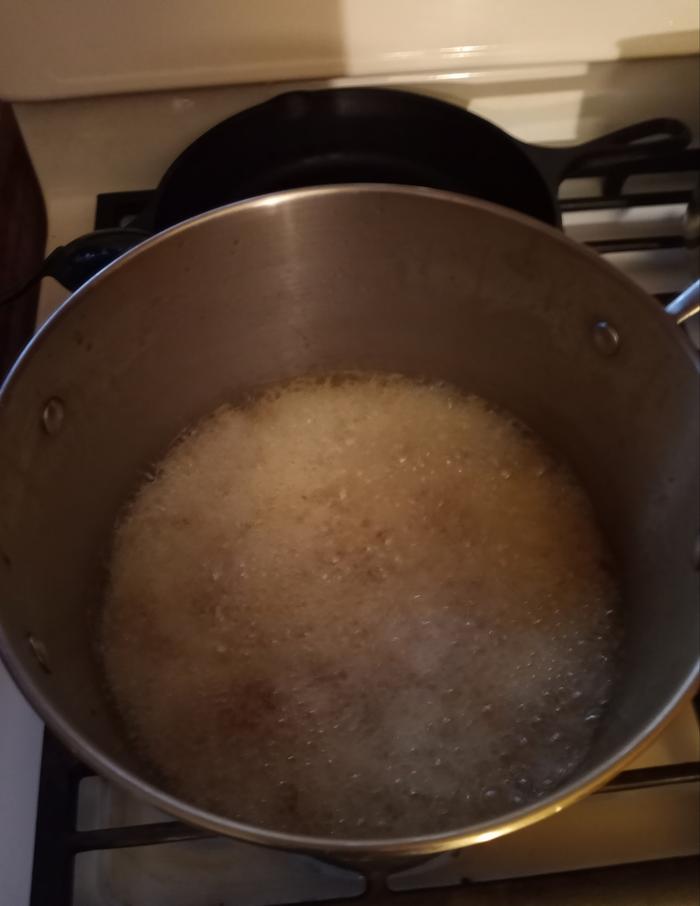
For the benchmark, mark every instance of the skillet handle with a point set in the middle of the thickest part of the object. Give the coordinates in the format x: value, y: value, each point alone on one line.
x: 686, y: 304
x: 628, y: 145
x: 74, y: 263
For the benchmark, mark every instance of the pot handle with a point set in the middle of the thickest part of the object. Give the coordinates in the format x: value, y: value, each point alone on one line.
x: 628, y: 145
x: 686, y: 304
x: 72, y: 264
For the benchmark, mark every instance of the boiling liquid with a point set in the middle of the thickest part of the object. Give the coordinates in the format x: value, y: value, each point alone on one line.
x: 361, y: 607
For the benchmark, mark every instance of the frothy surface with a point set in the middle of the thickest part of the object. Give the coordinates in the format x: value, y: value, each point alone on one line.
x: 360, y: 607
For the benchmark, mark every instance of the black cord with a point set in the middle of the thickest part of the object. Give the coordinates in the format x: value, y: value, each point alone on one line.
x: 22, y: 289
x: 46, y: 270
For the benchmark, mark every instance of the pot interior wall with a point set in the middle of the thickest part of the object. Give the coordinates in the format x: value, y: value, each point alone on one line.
x: 347, y: 279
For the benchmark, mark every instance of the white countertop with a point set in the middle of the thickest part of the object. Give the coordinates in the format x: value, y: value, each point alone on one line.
x: 21, y: 732
x: 95, y: 47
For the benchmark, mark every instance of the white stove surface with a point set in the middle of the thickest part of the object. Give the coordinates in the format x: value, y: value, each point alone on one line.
x: 108, y: 48
x: 84, y: 147
x: 604, y: 829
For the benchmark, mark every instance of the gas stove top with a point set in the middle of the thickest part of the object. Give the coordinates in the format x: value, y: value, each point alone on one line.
x: 96, y: 845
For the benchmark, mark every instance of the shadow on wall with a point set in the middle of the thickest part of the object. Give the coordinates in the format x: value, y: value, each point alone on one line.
x: 659, y: 45
x: 663, y: 84
x: 596, y: 96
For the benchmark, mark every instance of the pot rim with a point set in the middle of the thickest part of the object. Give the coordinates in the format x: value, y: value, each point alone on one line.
x: 427, y: 844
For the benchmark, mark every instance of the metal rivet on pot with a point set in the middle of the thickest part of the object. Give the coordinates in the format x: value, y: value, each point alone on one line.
x: 606, y: 339
x: 52, y: 416
x: 39, y: 651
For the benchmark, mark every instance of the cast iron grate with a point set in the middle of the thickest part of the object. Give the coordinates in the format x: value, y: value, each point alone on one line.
x: 58, y: 842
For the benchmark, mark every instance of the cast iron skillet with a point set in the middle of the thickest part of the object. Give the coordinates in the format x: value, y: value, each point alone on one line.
x: 350, y: 135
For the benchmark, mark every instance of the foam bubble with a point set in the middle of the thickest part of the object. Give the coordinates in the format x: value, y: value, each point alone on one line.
x: 369, y: 606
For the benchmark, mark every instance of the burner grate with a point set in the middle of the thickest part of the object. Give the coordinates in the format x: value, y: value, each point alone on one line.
x: 58, y: 842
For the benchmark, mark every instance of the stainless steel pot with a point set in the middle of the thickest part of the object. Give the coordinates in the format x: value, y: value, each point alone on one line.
x: 360, y: 277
